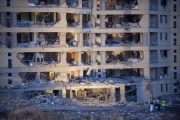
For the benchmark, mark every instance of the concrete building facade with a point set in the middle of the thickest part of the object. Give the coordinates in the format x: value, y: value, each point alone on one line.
x: 119, y: 50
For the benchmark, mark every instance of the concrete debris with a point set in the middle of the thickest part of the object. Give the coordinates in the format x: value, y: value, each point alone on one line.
x: 73, y: 43
x: 117, y: 42
x: 78, y: 82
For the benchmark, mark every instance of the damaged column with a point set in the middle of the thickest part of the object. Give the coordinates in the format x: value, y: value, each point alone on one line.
x: 63, y: 93
x: 80, y: 40
x: 103, y: 73
x: 35, y: 37
x: 103, y: 38
x: 103, y: 21
x: 81, y: 74
x: 112, y: 94
x: 122, y: 94
x: 103, y: 57
x: 79, y: 58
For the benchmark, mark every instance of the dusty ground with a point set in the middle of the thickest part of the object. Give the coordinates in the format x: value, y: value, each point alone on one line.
x: 131, y: 111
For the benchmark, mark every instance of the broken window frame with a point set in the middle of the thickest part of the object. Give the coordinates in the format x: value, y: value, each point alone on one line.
x: 9, y: 78
x: 123, y: 21
x: 72, y: 4
x: 119, y: 5
x: 86, y: 4
x: 164, y: 53
x: 121, y: 39
x: 73, y: 20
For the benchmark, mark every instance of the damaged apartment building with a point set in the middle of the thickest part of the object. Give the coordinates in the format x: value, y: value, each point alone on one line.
x: 105, y: 50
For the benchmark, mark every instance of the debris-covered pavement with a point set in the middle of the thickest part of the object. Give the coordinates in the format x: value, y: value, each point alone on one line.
x: 73, y: 109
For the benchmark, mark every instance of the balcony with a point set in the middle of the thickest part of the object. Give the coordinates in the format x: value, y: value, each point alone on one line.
x: 71, y: 39
x: 86, y: 21
x: 153, y: 39
x: 153, y: 5
x: 25, y: 40
x: 125, y: 75
x: 123, y: 39
x: 72, y: 58
x: 40, y: 19
x: 123, y: 57
x: 86, y: 4
x: 39, y: 59
x: 122, y: 21
x: 121, y: 5
x: 158, y: 73
x: 72, y: 19
x: 43, y: 3
x: 72, y: 3
x: 86, y: 40
x: 153, y: 21
x: 153, y: 56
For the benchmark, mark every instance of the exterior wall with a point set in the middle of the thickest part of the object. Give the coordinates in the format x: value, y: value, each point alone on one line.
x: 145, y: 90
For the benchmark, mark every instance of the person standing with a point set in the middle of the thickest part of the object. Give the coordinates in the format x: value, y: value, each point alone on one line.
x: 158, y: 105
x: 163, y: 105
x: 151, y: 105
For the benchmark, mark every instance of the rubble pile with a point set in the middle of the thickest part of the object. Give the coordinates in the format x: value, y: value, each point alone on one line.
x: 78, y: 82
x: 51, y: 100
x: 42, y: 101
x: 42, y: 83
x: 117, y: 42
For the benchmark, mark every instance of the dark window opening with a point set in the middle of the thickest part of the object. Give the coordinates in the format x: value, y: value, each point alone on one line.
x: 98, y: 16
x: 98, y: 52
x: 163, y: 2
x: 9, y: 34
x: 175, y: 42
x: 9, y: 63
x: 8, y: 14
x: 175, y: 75
x: 165, y: 70
x: 174, y: 7
x: 165, y: 53
x: 9, y: 54
x: 174, y: 34
x: 160, y: 18
x: 8, y: 3
x: 160, y: 36
x: 175, y: 87
x: 165, y: 18
x: 174, y: 51
x: 9, y: 42
x: 161, y: 87
x: 175, y: 90
x: 175, y: 59
x: 98, y: 34
x: 9, y: 74
x: 9, y: 81
x: 8, y: 22
x: 166, y: 35
x: 174, y: 17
